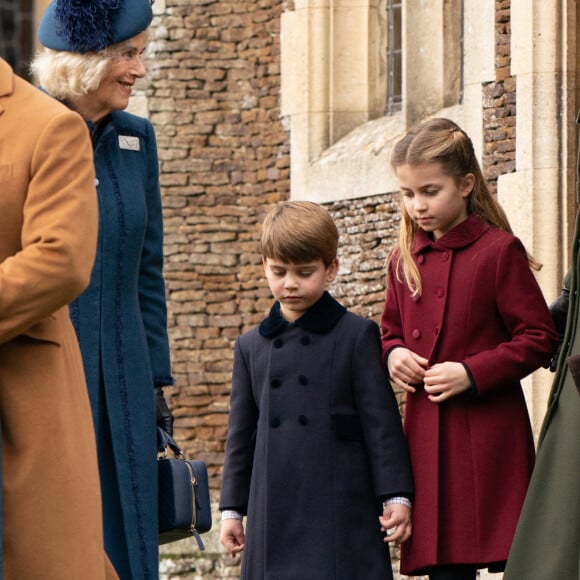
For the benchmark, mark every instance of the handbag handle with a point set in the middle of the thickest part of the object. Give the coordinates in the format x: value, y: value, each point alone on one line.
x: 164, y: 440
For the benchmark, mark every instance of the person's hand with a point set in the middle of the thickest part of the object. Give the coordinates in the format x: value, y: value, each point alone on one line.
x: 559, y: 312
x: 396, y: 523
x: 406, y: 368
x: 445, y: 380
x: 164, y: 415
x: 232, y: 536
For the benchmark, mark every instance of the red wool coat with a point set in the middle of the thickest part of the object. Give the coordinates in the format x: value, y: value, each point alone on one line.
x: 472, y: 455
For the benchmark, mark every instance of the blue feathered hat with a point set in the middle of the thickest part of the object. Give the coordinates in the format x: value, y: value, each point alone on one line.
x: 91, y: 25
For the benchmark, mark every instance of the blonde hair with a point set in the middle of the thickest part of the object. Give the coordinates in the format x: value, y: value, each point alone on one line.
x: 66, y: 74
x: 441, y: 141
x: 299, y: 231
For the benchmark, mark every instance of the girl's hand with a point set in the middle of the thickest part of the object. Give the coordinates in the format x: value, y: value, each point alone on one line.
x: 406, y: 368
x: 396, y: 523
x: 445, y: 380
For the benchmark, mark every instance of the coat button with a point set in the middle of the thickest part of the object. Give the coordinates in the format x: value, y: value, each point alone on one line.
x: 303, y: 420
x: 445, y: 256
x: 275, y: 383
x: 420, y: 259
x: 303, y: 380
x: 278, y: 343
x: 416, y: 334
x: 305, y: 340
x: 440, y: 292
x: 275, y: 422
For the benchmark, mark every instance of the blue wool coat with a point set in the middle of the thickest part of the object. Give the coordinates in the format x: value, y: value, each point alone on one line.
x: 315, y: 441
x: 121, y: 324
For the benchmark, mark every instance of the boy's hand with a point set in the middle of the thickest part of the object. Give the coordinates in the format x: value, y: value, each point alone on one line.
x: 445, y: 380
x: 396, y: 523
x: 232, y: 536
x: 406, y: 368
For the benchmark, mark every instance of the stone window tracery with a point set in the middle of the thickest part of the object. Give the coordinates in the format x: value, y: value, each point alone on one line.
x: 355, y: 74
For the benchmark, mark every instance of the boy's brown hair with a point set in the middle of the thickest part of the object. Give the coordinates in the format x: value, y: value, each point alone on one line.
x: 298, y: 232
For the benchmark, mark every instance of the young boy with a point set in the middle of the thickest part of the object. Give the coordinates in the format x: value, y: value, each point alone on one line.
x: 315, y: 443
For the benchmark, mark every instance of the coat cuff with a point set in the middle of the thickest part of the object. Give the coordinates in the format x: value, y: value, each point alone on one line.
x: 163, y: 381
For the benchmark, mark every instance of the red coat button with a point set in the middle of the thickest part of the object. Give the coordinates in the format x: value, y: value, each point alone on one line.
x: 416, y: 334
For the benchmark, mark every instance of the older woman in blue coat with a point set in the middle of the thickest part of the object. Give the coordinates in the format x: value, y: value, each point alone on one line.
x: 91, y: 61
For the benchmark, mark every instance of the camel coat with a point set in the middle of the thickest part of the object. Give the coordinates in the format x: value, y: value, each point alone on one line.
x: 473, y: 454
x: 48, y: 227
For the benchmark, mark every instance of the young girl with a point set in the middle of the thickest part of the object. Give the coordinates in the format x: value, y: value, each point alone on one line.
x: 464, y: 321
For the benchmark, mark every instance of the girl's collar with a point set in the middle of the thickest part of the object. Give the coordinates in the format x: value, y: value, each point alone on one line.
x: 321, y: 318
x: 461, y: 235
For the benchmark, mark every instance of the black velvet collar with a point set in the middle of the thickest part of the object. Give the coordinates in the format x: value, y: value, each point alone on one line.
x: 321, y: 318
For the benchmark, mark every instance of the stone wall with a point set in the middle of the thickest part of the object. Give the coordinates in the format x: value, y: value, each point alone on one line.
x: 224, y: 158
x: 499, y: 105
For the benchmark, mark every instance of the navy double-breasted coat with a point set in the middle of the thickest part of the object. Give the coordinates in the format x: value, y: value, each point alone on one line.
x: 314, y: 441
x: 121, y: 324
x: 472, y: 455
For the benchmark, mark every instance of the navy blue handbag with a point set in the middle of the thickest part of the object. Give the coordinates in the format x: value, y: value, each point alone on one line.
x: 183, y: 494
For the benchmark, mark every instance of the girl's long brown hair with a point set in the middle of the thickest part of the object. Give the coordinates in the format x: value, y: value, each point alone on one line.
x: 441, y: 141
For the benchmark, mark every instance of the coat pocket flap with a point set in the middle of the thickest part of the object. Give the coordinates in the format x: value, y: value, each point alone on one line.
x: 347, y: 427
x: 46, y: 331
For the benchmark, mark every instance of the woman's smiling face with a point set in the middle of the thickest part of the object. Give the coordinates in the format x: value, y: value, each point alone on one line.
x: 116, y: 87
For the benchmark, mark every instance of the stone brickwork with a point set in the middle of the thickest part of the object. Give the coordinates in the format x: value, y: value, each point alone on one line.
x: 499, y: 105
x: 224, y: 158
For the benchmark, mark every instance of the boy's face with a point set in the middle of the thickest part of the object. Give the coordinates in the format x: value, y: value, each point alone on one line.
x: 298, y: 286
